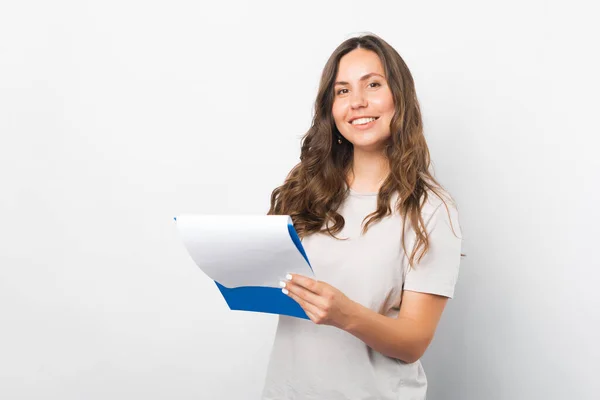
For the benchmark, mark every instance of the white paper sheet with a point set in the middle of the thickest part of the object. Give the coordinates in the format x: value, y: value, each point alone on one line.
x: 242, y: 250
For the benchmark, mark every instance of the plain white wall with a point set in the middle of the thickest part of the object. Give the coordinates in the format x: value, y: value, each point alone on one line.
x: 116, y: 116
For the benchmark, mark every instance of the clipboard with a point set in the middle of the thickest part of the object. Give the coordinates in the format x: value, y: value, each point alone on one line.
x: 246, y: 256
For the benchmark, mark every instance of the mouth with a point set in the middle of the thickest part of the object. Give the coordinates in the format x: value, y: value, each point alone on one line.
x: 363, y: 122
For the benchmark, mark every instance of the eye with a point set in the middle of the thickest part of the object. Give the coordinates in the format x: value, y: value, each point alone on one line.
x: 375, y: 83
x: 339, y: 91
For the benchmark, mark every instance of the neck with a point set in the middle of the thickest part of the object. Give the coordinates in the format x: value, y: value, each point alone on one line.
x: 368, y: 171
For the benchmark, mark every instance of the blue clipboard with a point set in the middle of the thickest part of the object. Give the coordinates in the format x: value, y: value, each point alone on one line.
x: 265, y: 299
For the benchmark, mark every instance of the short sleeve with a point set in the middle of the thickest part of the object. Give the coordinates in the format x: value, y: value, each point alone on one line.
x: 437, y: 272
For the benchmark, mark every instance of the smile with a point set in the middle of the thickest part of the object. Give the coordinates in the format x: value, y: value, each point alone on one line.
x: 364, y: 123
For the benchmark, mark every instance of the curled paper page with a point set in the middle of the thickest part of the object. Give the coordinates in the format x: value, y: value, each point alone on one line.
x: 244, y: 250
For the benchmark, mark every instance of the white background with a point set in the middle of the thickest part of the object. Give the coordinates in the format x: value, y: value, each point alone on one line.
x: 115, y: 116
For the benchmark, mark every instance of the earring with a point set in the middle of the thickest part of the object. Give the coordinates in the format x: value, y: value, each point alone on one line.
x: 339, y: 139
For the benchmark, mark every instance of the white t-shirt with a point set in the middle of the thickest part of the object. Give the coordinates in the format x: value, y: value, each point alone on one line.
x: 310, y: 361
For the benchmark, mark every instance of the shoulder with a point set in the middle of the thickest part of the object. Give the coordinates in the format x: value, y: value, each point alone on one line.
x: 435, y: 200
x: 439, y: 206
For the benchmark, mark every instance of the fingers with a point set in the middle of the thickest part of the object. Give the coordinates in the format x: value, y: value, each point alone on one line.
x: 305, y: 282
x: 311, y: 310
x: 302, y: 293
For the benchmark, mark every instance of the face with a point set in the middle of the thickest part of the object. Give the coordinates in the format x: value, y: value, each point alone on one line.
x: 361, y: 93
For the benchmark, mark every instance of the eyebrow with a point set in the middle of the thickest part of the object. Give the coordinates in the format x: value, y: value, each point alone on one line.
x: 365, y: 77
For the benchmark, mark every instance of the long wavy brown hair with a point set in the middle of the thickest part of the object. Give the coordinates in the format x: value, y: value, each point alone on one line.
x: 317, y: 185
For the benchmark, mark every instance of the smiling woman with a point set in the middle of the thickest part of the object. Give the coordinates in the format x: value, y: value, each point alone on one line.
x: 360, y: 81
x: 364, y: 175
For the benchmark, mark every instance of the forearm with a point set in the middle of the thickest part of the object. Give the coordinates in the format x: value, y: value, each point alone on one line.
x: 400, y: 338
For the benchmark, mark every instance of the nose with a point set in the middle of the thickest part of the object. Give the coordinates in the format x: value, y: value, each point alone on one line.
x: 358, y: 99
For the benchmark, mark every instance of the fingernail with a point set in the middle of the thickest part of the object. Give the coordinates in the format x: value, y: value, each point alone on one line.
x: 285, y: 291
x: 282, y: 283
x: 288, y: 277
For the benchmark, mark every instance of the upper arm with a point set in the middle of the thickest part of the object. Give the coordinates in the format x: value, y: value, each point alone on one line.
x: 428, y: 285
x: 437, y: 272
x: 423, y: 311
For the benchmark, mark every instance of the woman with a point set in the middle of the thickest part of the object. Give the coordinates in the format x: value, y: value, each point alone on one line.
x: 376, y: 305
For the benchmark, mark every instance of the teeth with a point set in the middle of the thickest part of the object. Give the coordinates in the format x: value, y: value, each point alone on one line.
x: 361, y: 121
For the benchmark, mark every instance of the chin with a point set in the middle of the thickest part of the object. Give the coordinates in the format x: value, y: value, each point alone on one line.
x: 369, y: 146
x: 372, y: 141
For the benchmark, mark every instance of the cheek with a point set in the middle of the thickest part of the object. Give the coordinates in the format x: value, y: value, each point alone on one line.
x: 338, y: 112
x: 390, y: 104
x: 385, y: 103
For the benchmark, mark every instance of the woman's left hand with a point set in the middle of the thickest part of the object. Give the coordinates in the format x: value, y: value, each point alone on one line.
x: 322, y: 303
